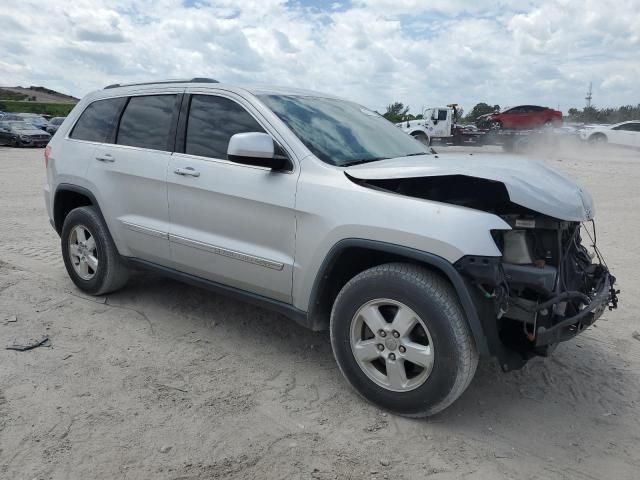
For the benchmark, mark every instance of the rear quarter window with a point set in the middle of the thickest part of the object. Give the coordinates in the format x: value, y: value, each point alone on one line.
x: 97, y: 122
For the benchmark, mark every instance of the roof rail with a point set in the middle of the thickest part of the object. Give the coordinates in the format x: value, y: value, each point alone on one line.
x: 186, y: 80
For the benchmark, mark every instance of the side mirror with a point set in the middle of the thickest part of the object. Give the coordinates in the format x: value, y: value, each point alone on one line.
x: 258, y: 149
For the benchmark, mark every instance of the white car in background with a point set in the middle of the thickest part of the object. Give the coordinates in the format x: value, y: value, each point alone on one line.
x: 625, y: 134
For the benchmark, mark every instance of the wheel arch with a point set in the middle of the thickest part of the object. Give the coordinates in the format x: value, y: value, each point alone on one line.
x: 362, y: 254
x: 596, y: 135
x: 419, y: 132
x: 66, y: 198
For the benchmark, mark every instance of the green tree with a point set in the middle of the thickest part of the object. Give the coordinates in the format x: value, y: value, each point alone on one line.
x: 604, y: 115
x: 397, y: 112
x: 480, y: 109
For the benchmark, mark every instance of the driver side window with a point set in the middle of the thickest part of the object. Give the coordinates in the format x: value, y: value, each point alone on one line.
x: 212, y: 121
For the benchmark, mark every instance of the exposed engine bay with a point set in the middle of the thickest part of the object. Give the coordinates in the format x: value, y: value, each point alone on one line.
x: 551, y: 281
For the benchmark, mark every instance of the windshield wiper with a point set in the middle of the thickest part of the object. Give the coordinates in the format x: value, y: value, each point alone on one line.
x: 417, y: 153
x: 365, y: 160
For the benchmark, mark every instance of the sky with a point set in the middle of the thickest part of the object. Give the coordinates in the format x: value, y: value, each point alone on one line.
x: 419, y: 52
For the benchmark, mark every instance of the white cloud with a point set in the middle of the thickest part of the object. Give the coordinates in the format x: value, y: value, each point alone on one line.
x: 372, y: 51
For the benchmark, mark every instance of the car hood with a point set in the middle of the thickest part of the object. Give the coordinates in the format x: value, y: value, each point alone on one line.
x: 530, y: 184
x: 29, y: 131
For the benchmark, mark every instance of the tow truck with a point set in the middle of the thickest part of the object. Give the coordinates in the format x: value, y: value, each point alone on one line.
x: 440, y: 125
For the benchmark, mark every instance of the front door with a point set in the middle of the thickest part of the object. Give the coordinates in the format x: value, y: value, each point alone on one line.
x: 230, y: 223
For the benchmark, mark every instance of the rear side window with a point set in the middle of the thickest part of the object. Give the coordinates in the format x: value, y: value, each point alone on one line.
x: 146, y: 122
x: 212, y: 122
x: 97, y: 122
x: 629, y: 127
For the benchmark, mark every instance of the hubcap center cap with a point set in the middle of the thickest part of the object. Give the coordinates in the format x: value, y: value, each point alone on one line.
x: 391, y: 343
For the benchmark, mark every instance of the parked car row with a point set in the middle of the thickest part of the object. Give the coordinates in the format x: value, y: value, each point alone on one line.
x: 27, y: 129
x: 17, y: 133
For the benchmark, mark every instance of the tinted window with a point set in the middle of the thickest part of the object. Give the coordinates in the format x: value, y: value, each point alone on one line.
x: 442, y: 114
x: 629, y: 127
x: 97, y: 122
x: 212, y: 122
x: 146, y: 122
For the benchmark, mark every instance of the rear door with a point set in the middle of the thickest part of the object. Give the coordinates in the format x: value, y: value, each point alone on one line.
x: 230, y: 223
x: 621, y: 135
x: 635, y: 132
x: 130, y: 174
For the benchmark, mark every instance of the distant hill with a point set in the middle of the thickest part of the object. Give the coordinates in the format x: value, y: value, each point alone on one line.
x: 35, y: 94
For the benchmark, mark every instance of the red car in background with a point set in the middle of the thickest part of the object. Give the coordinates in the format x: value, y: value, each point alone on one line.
x: 521, y: 117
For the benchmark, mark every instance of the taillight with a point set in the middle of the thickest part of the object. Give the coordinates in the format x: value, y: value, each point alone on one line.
x: 47, y: 152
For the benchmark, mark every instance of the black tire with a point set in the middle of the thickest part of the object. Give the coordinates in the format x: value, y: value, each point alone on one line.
x: 598, y: 139
x: 422, y: 138
x: 16, y: 143
x: 111, y: 274
x: 434, y: 300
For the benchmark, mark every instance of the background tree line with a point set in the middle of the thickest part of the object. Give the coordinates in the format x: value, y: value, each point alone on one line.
x: 604, y: 115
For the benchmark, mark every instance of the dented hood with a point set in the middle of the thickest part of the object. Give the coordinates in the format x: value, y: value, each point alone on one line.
x: 530, y: 184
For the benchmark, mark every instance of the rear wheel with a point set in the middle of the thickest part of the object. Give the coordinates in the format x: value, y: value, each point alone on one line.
x: 401, y: 339
x: 497, y: 125
x: 89, y: 254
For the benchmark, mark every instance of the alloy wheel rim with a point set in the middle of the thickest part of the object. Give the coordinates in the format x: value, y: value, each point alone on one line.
x: 83, y: 252
x: 392, y: 345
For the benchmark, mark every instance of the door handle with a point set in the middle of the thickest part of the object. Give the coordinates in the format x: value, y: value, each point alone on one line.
x: 106, y: 158
x: 186, y: 172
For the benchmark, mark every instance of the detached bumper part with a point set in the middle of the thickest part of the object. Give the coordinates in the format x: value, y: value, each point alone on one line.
x: 605, y: 297
x: 545, y: 315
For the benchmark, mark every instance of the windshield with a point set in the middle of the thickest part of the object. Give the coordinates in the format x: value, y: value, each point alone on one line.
x: 340, y: 132
x: 33, y: 119
x: 18, y: 125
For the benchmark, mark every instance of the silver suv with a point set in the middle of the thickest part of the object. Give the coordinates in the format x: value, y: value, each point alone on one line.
x: 319, y: 208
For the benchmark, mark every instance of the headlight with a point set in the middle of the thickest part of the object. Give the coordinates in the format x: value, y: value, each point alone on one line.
x: 25, y: 137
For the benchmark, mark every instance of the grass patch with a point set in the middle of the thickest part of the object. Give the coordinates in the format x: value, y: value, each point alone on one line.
x: 42, y: 108
x: 9, y: 95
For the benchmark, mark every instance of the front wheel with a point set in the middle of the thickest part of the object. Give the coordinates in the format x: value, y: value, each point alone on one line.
x: 597, y: 139
x: 422, y: 138
x: 401, y: 339
x: 89, y: 254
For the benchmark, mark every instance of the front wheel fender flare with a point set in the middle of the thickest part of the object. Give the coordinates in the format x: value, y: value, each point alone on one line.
x: 429, y: 259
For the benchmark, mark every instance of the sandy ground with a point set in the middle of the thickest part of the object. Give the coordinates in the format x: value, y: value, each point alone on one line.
x: 163, y: 380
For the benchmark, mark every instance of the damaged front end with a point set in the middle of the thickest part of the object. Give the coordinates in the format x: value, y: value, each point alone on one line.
x: 546, y: 288
x: 548, y: 285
